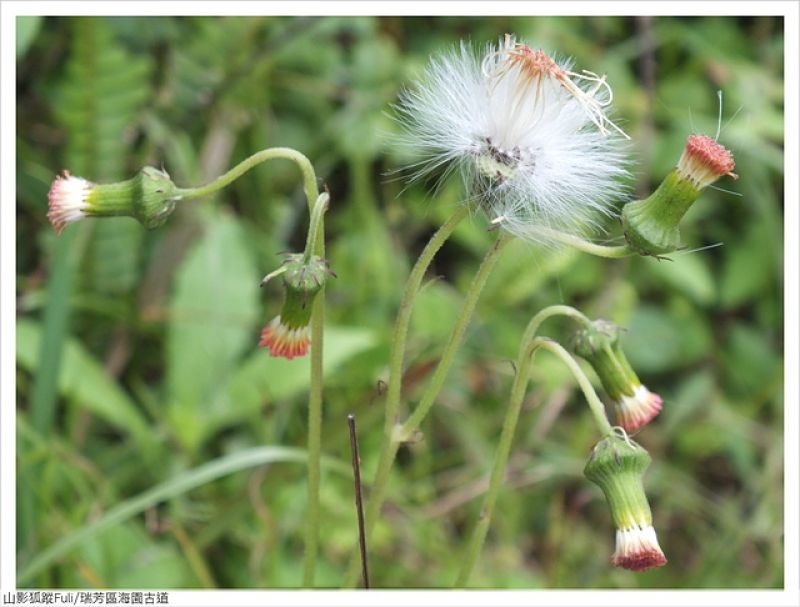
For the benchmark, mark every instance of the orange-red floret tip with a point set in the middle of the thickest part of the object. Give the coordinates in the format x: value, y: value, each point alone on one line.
x: 284, y: 341
x: 641, y: 561
x: 713, y: 155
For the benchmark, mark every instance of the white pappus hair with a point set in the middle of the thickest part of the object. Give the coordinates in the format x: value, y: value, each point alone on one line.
x: 530, y: 137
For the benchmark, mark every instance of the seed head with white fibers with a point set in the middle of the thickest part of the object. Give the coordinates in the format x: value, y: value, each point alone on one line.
x: 531, y: 138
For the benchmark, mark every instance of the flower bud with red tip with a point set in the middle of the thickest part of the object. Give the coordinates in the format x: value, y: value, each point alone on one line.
x: 149, y: 197
x: 634, y: 404
x: 651, y: 225
x: 617, y: 465
x: 288, y: 334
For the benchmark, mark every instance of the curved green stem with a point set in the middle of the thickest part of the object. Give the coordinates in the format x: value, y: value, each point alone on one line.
x: 309, y: 177
x: 558, y: 310
x: 612, y: 252
x: 397, y: 434
x: 317, y: 237
x: 524, y: 363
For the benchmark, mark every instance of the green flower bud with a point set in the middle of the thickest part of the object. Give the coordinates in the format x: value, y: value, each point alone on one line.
x: 149, y: 197
x: 651, y: 225
x: 287, y: 335
x: 617, y: 466
x: 634, y: 404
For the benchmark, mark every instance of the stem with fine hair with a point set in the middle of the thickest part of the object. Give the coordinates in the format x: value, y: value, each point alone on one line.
x: 611, y: 252
x: 524, y: 362
x: 317, y: 237
x: 396, y: 434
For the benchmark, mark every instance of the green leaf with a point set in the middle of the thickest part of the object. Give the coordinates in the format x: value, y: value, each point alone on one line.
x: 125, y: 557
x: 213, y: 312
x: 84, y: 381
x: 688, y: 273
x: 178, y: 485
x: 746, y: 273
x: 659, y: 340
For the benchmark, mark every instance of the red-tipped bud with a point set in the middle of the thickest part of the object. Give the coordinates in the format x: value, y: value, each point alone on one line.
x: 704, y: 161
x: 651, y: 225
x: 149, y: 197
x: 634, y: 404
x: 617, y: 465
x: 287, y: 335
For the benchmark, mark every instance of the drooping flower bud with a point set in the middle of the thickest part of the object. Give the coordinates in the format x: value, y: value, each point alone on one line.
x: 651, y: 225
x: 617, y: 465
x: 149, y: 197
x: 634, y: 404
x: 287, y: 334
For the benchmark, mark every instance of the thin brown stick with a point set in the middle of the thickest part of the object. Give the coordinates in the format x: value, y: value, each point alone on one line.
x: 362, y: 538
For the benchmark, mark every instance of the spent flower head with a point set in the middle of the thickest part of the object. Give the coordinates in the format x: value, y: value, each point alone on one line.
x: 531, y: 138
x: 634, y: 404
x: 617, y: 465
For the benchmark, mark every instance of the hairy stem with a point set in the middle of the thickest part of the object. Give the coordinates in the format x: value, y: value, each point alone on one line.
x: 524, y: 362
x: 612, y: 252
x: 317, y: 237
x: 395, y: 435
x: 309, y: 177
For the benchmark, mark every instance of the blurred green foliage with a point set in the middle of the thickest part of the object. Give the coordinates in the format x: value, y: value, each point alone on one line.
x: 159, y: 371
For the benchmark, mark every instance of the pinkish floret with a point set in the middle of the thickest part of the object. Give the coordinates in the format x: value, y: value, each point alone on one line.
x: 704, y: 160
x: 67, y: 200
x: 638, y: 549
x: 635, y: 411
x: 284, y: 341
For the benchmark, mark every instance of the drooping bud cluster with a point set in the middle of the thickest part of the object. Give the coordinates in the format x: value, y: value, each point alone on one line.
x: 651, y: 225
x: 287, y: 335
x: 149, y: 197
x: 634, y: 404
x: 617, y: 465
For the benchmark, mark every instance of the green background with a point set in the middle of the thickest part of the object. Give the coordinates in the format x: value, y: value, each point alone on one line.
x: 137, y: 357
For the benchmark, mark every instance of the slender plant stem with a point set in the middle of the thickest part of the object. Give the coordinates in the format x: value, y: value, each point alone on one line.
x: 315, y: 224
x: 395, y: 435
x: 454, y: 341
x: 317, y: 233
x: 404, y: 315
x: 612, y: 252
x: 558, y: 310
x: 527, y: 348
x: 309, y: 177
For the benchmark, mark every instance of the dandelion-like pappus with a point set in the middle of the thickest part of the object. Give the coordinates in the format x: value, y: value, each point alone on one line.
x: 531, y: 137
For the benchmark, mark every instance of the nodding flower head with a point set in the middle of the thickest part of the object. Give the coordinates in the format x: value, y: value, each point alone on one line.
x: 149, y: 197
x: 634, y: 404
x: 617, y: 465
x: 530, y: 137
x: 287, y: 334
x: 651, y: 225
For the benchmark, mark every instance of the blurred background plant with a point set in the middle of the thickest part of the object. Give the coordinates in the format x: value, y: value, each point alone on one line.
x: 136, y: 351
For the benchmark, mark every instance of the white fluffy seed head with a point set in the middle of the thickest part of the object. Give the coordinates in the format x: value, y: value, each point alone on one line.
x: 530, y: 138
